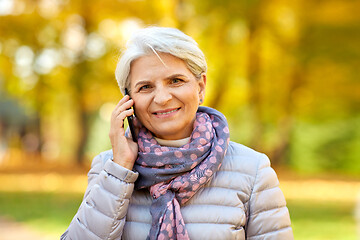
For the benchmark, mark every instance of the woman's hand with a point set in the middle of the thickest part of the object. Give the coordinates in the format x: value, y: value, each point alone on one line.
x: 124, y: 149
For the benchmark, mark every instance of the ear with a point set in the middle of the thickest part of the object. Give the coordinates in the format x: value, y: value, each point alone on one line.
x: 202, y: 86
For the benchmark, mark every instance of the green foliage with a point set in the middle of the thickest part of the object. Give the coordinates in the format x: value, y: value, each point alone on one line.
x: 332, y: 146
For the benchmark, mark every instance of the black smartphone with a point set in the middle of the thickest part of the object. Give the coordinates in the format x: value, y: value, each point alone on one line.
x: 131, y: 123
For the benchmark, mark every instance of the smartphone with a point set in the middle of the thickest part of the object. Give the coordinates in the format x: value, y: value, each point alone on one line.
x: 130, y: 120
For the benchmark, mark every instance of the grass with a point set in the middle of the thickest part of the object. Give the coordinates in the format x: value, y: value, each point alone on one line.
x: 52, y: 213
x: 322, y: 220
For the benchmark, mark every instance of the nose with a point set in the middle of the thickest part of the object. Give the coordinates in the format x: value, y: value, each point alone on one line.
x: 162, y: 96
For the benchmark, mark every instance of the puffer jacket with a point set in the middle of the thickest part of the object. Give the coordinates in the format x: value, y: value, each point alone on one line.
x: 242, y: 201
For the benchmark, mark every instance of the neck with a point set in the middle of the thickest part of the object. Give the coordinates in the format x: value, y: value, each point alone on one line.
x: 173, y: 143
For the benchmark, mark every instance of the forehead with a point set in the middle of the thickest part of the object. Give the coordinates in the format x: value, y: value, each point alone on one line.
x: 152, y: 65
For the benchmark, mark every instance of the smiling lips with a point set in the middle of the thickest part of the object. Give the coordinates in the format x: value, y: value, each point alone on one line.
x: 166, y: 111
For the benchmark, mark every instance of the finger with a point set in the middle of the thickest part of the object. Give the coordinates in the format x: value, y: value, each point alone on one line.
x: 122, y: 115
x: 119, y: 104
x: 124, y: 99
x: 117, y: 121
x: 125, y: 106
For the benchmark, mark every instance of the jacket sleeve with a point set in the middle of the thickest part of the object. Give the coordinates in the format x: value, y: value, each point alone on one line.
x: 102, y: 212
x: 268, y: 216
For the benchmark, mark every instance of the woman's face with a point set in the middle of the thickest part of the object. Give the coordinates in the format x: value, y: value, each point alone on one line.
x: 166, y: 95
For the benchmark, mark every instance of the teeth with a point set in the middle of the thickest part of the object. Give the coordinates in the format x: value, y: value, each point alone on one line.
x: 167, y: 112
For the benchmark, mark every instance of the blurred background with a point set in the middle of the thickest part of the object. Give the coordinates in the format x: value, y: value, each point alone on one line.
x: 285, y: 73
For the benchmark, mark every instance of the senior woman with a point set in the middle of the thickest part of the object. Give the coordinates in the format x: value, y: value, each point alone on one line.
x: 183, y: 178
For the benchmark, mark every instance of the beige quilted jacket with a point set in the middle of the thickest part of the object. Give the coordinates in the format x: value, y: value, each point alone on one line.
x: 242, y: 201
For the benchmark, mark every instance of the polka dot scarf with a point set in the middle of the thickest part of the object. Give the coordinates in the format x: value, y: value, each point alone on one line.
x: 174, y: 175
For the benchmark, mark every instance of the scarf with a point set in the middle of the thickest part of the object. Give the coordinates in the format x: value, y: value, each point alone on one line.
x: 174, y: 175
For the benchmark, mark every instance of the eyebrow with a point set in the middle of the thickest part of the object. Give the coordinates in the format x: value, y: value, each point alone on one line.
x: 142, y: 83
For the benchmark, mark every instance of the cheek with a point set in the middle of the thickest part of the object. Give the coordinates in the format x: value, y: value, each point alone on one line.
x: 140, y: 111
x: 142, y: 118
x: 191, y: 98
x: 188, y: 94
x: 140, y: 108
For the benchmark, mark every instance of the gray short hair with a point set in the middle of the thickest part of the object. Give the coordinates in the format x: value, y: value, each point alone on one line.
x: 159, y: 39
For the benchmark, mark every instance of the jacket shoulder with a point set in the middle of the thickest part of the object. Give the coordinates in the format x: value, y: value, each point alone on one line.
x: 244, y: 159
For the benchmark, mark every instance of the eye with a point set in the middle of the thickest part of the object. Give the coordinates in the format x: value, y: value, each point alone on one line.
x: 143, y: 88
x: 176, y: 80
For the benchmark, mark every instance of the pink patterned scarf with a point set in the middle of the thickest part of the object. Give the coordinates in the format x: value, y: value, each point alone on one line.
x: 174, y: 175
